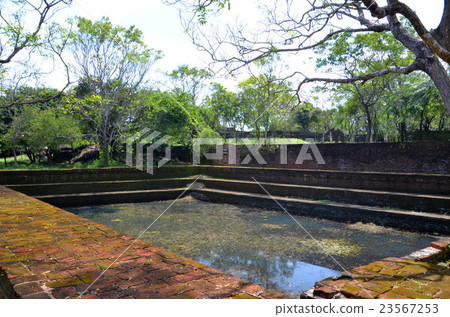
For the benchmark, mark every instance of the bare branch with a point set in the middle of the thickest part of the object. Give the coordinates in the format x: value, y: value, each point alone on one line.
x: 362, y: 78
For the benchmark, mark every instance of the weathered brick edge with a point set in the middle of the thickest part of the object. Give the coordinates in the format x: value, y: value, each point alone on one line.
x: 413, y: 276
x: 47, y: 252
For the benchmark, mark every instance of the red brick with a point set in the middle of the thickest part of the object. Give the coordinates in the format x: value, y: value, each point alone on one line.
x: 439, y: 245
x: 325, y: 292
x: 181, y: 269
x: 174, y: 289
x: 63, y: 245
x: 253, y: 289
x: 41, y: 295
x: 223, y: 292
x: 65, y: 292
x: 132, y: 282
x: 26, y: 279
x: 202, y: 285
x: 149, y: 295
x: 126, y: 293
x: 160, y: 274
x: 108, y: 295
x: 194, y: 275
x: 193, y: 294
x: 271, y: 294
x: 55, y: 275
x: 366, y: 293
x: 87, y: 269
x: 130, y: 274
x: 90, y: 296
x: 391, y: 295
x: 28, y: 288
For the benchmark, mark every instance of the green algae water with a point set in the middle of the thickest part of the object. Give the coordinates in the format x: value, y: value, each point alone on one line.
x: 261, y: 246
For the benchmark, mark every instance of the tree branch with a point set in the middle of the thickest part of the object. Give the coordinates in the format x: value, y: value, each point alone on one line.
x: 362, y: 78
x: 397, y: 7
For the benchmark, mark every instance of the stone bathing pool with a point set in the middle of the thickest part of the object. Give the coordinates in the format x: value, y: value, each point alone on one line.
x: 262, y: 246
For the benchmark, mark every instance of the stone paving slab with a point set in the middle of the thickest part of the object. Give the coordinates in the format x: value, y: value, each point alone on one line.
x: 46, y: 252
x: 421, y: 275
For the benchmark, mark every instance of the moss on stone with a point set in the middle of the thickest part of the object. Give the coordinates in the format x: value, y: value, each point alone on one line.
x: 64, y: 282
x: 244, y: 296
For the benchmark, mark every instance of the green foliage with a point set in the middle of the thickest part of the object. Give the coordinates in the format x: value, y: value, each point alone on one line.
x: 48, y: 130
x: 264, y: 100
x: 170, y: 113
x: 203, y: 10
x: 106, y: 97
x: 361, y: 53
x: 363, y: 104
x: 27, y: 44
x: 189, y: 80
x: 222, y: 109
x: 306, y: 115
x: 103, y: 155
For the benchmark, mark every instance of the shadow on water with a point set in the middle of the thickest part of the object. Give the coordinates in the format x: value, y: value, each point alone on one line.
x: 262, y: 246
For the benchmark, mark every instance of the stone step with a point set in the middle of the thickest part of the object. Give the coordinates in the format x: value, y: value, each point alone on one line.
x: 100, y: 186
x: 407, y: 201
x: 117, y: 197
x: 396, y: 182
x: 430, y: 184
x: 10, y: 177
x: 402, y: 219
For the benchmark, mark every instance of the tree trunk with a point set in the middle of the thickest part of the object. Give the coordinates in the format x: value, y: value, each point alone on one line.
x: 375, y: 129
x: 30, y: 155
x: 105, y: 153
x: 14, y: 151
x: 402, y: 132
x: 266, y: 128
x: 440, y: 78
x: 49, y: 156
x: 369, y: 128
x: 441, y: 123
x: 442, y: 32
x: 105, y: 143
x: 421, y: 126
x: 257, y: 130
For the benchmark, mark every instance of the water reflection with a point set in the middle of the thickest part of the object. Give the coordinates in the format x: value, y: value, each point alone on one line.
x: 274, y: 272
x: 264, y: 247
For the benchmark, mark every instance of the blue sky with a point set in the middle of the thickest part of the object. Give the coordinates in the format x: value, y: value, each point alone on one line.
x: 160, y: 25
x: 162, y: 28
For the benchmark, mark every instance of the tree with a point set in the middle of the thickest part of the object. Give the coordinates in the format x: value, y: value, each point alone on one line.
x: 416, y: 105
x: 48, y: 129
x: 189, y: 80
x: 25, y: 37
x: 306, y: 115
x: 16, y: 119
x: 352, y: 55
x: 348, y: 119
x: 222, y: 109
x: 17, y: 127
x: 292, y: 26
x: 169, y: 113
x: 262, y: 98
x: 111, y: 63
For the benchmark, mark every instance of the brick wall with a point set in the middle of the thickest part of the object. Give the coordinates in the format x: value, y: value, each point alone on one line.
x: 413, y: 157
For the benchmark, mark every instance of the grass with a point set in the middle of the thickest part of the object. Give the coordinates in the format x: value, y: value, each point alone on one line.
x: 24, y: 163
x: 270, y: 141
